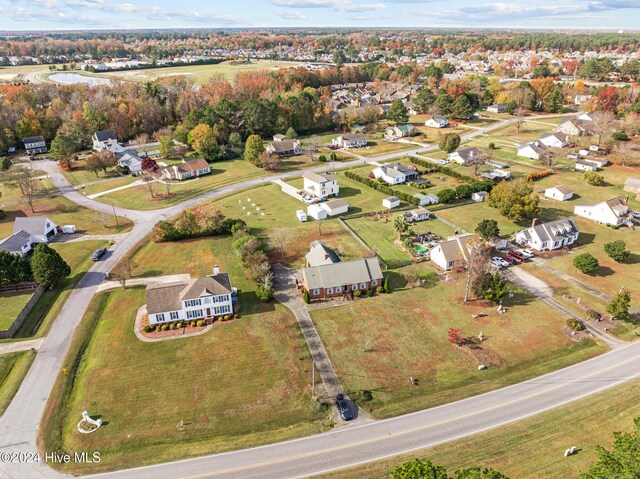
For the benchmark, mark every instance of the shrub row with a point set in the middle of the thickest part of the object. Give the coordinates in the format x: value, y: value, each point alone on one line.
x: 383, y: 188
x: 251, y: 250
x: 537, y: 175
x: 194, y: 224
x: 177, y: 325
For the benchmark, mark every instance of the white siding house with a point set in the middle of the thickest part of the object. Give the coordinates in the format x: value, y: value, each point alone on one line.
x: 451, y: 253
x: 613, y: 212
x: 321, y: 185
x: 549, y: 236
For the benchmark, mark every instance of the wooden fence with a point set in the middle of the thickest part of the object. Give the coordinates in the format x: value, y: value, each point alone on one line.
x: 17, y: 323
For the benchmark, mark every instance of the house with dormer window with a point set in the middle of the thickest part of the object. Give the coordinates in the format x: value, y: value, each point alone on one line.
x: 549, y: 236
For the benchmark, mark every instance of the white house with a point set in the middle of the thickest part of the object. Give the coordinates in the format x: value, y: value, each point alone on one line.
x: 285, y: 148
x: 35, y: 144
x: 614, y: 212
x: 437, y: 122
x: 421, y: 214
x: 580, y: 99
x: 391, y: 202
x: 395, y: 173
x: 451, y: 253
x: 556, y: 140
x: 352, y: 140
x: 599, y: 162
x: 497, y: 108
x: 534, y: 150
x: 465, y: 156
x: 560, y: 193
x: 39, y: 228
x: 549, y: 236
x: 199, y: 298
x: 426, y: 199
x: 18, y: 243
x: 316, y: 212
x: 102, y: 139
x: 583, y: 165
x: 479, y: 196
x: 574, y: 127
x: 189, y: 168
x: 335, y: 207
x: 322, y: 185
x: 131, y: 160
x: 400, y: 131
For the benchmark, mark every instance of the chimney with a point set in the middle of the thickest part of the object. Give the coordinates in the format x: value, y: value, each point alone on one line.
x: 534, y: 222
x: 216, y: 270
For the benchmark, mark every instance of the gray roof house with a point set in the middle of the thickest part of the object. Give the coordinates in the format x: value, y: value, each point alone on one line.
x: 39, y: 228
x: 336, y: 279
x: 549, y: 236
x: 320, y: 254
x: 35, y: 144
x: 18, y: 243
x: 101, y: 139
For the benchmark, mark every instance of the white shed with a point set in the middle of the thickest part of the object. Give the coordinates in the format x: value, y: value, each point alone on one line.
x: 560, y: 193
x: 479, y: 196
x: 335, y: 207
x: 69, y: 229
x: 302, y: 216
x: 316, y: 212
x: 391, y: 202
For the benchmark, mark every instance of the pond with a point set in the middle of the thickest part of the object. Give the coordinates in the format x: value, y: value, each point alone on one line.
x: 73, y: 78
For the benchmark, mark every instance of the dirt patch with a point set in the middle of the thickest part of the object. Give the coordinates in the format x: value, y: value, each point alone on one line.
x: 575, y: 336
x: 482, y: 355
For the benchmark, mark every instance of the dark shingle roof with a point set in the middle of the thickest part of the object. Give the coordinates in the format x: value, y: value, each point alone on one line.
x: 105, y: 135
x: 15, y: 242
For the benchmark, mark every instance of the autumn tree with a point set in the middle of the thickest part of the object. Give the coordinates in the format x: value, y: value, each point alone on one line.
x: 123, y: 271
x: 166, y: 146
x: 253, y: 148
x: 515, y: 199
x: 62, y: 149
x: 449, y: 142
x: 101, y: 161
x: 603, y: 124
x: 204, y: 141
x: 618, y: 308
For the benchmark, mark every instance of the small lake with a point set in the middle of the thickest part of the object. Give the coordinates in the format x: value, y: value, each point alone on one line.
x: 73, y: 78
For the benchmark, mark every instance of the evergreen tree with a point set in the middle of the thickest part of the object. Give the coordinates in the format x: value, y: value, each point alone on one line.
x: 555, y: 101
x: 462, y: 108
x: 48, y: 266
x: 618, y: 308
x: 398, y: 112
x: 449, y: 142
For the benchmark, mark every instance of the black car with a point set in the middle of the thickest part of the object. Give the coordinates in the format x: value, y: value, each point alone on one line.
x: 99, y: 253
x: 343, y: 407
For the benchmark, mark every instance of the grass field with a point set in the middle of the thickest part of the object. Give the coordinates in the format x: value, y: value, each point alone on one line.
x: 11, y: 304
x: 510, y: 449
x: 78, y: 257
x: 13, y: 368
x: 378, y: 343
x: 239, y: 385
x: 107, y: 185
x: 80, y: 175
x: 380, y: 146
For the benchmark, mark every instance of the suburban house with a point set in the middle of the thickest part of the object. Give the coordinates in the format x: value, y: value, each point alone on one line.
x: 285, y: 148
x: 534, y: 150
x: 574, y: 127
x: 549, y: 236
x: 335, y: 207
x: 321, y: 185
x: 320, y: 254
x: 556, y: 140
x: 451, y: 253
x: 279, y: 137
x: 131, y: 160
x: 465, y: 156
x: 421, y: 214
x: 39, y: 228
x: 614, y: 212
x: 497, y: 108
x: 18, y: 243
x: 426, y: 199
x: 102, y: 139
x: 189, y: 168
x: 341, y: 278
x: 599, y: 162
x: 479, y: 196
x: 584, y: 165
x: 560, y: 193
x: 199, y: 298
x: 437, y: 121
x: 632, y: 185
x: 395, y: 174
x: 391, y: 202
x: 35, y: 144
x: 400, y: 131
x: 352, y: 140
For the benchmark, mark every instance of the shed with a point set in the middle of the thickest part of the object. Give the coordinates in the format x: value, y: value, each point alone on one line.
x: 316, y: 212
x: 391, y: 202
x: 479, y: 196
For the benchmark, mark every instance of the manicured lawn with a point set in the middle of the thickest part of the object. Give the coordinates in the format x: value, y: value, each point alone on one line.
x: 380, y: 146
x: 107, y: 185
x: 78, y: 257
x: 433, y: 135
x: 378, y: 233
x: 223, y: 173
x: 10, y: 195
x: 80, y: 175
x: 469, y: 215
x: 11, y: 304
x: 13, y: 368
x: 239, y: 385
x: 510, y: 449
x: 377, y: 343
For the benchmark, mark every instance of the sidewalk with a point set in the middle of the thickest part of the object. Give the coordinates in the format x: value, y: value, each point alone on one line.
x: 107, y: 285
x: 18, y: 346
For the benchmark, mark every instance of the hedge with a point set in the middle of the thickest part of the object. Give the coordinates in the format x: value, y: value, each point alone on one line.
x: 382, y: 188
x: 477, y: 185
x: 539, y: 175
x: 167, y: 231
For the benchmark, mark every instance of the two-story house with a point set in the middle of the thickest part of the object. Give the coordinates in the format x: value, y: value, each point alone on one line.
x: 322, y: 185
x: 35, y: 145
x: 103, y: 139
x: 613, y: 212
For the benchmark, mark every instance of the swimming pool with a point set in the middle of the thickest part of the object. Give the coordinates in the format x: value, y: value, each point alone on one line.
x: 419, y: 249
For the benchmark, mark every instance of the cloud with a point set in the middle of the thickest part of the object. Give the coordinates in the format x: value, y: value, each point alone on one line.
x: 103, y: 6
x: 613, y: 5
x: 336, y: 5
x: 157, y: 13
x: 294, y: 15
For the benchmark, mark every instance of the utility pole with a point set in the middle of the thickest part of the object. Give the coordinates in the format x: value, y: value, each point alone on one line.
x: 114, y: 214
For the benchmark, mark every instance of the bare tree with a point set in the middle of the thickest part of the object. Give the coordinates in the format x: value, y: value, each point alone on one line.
x: 149, y: 182
x: 627, y: 153
x: 549, y: 158
x: 24, y: 180
x: 603, y: 124
x: 103, y: 219
x: 519, y: 123
x: 280, y: 238
x: 478, y: 257
x: 123, y: 271
x: 312, y: 147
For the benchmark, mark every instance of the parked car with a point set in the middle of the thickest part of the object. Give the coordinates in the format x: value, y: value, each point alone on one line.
x: 516, y: 255
x: 510, y: 260
x: 636, y: 214
x: 343, y: 407
x: 527, y: 253
x: 443, y: 162
x: 497, y: 260
x: 99, y: 253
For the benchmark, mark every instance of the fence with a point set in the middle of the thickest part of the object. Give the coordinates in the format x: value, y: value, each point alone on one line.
x: 10, y: 288
x: 17, y: 323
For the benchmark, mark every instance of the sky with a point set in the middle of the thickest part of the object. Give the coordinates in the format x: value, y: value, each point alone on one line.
x: 125, y: 14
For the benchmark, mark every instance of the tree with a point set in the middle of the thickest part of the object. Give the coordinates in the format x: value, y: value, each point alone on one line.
x: 62, y: 148
x: 555, y: 101
x: 101, y: 161
x: 269, y: 162
x: 449, y: 142
x: 490, y: 286
x: 516, y: 200
x: 618, y: 308
x: 593, y: 179
x: 419, y: 469
x: 479, y: 473
x: 123, y: 271
x: 401, y: 225
x: 6, y: 164
x: 462, y: 108
x: 48, y: 266
x: 166, y: 146
x: 291, y: 134
x: 443, y: 103
x: 423, y: 100
x: 621, y: 462
x: 398, y: 113
x: 24, y: 180
x: 603, y: 124
x: 149, y: 182
x: 627, y: 153
x: 488, y: 229
x: 252, y: 149
x: 447, y: 195
x: 617, y: 251
x: 148, y: 164
x: 586, y: 262
x: 14, y: 268
x: 280, y: 237
x: 235, y: 140
x: 205, y: 142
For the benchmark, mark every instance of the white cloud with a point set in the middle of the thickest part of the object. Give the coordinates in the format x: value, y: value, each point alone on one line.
x: 294, y: 15
x: 336, y: 5
x: 103, y: 6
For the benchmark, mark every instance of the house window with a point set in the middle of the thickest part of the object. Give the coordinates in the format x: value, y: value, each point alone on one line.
x: 173, y: 315
x: 316, y: 292
x: 354, y: 287
x: 374, y: 282
x: 543, y: 245
x: 338, y: 289
x: 192, y: 302
x: 329, y: 290
x: 451, y: 263
x: 160, y: 317
x: 363, y: 285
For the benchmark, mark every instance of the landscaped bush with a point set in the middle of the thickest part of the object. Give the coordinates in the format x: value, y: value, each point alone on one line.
x: 357, y: 293
x: 538, y: 175
x: 192, y: 323
x: 369, y: 293
x: 194, y: 223
x: 617, y: 251
x: 447, y: 196
x: 264, y: 294
x: 147, y: 329
x: 593, y: 179
x: 575, y: 325
x: 179, y: 325
x: 379, y: 289
x: 165, y: 327
x: 200, y: 323
x: 593, y: 314
x: 586, y: 262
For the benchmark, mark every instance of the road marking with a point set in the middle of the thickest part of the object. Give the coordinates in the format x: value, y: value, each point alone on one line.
x: 418, y: 428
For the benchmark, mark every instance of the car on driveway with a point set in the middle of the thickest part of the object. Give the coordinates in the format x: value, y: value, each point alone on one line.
x: 527, y: 253
x: 636, y: 214
x: 516, y: 255
x: 499, y: 262
x: 343, y: 407
x: 510, y: 260
x: 443, y: 162
x: 99, y: 253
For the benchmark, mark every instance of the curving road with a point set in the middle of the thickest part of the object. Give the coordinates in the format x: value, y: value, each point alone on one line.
x: 303, y: 457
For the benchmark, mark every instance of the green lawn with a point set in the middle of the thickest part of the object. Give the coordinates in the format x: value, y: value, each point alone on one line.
x: 380, y: 146
x: 239, y: 385
x: 107, y: 185
x: 511, y: 449
x: 80, y: 175
x: 378, y: 233
x: 469, y: 215
x: 11, y: 304
x: 13, y: 369
x: 377, y: 343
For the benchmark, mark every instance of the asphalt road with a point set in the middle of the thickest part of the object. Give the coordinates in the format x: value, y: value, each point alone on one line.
x: 343, y: 447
